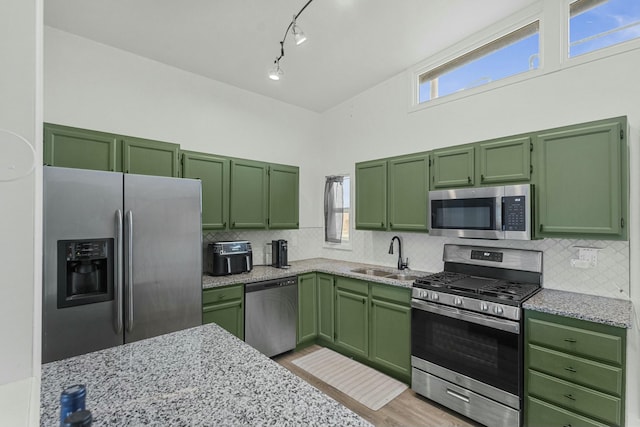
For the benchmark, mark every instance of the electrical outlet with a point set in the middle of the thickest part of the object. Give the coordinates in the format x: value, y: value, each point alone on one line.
x: 589, y: 255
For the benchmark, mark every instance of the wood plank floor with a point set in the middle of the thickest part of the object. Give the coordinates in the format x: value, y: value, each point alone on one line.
x: 408, y: 409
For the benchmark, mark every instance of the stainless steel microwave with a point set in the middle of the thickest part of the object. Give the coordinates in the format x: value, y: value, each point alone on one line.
x: 482, y: 213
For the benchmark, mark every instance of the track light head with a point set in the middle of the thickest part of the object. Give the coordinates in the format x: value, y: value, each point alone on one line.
x: 298, y: 34
x: 276, y: 72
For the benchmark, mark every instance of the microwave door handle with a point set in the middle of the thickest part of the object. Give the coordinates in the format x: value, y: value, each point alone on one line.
x: 502, y: 213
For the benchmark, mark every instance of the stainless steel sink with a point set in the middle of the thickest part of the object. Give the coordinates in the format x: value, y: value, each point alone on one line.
x: 371, y: 272
x: 402, y: 276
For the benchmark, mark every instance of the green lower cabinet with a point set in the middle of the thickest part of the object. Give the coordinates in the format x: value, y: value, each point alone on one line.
x: 307, y: 330
x: 574, y: 372
x: 352, y: 316
x: 70, y: 147
x: 326, y: 307
x: 390, y: 343
x: 225, y: 306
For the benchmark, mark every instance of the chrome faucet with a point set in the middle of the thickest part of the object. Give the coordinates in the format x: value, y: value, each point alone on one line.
x: 401, y: 264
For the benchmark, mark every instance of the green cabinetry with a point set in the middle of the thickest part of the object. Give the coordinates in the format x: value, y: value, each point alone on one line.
x: 249, y: 197
x: 391, y: 194
x: 390, y: 341
x: 225, y: 306
x: 283, y: 197
x: 574, y: 372
x: 147, y: 157
x: 70, y: 147
x: 504, y: 160
x: 213, y: 171
x: 582, y: 184
x: 326, y: 307
x: 307, y: 308
x: 371, y: 195
x: 352, y: 316
x: 453, y: 167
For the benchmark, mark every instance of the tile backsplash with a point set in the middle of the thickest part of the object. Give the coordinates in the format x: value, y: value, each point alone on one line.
x: 609, y: 278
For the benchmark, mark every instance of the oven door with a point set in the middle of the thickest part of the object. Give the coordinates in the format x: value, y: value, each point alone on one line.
x: 483, y: 348
x: 467, y: 212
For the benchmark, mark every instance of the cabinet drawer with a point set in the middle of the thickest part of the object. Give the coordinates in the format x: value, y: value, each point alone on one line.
x: 576, y: 398
x: 352, y: 285
x: 391, y: 293
x: 583, y: 342
x: 210, y: 296
x: 542, y: 414
x: 576, y: 369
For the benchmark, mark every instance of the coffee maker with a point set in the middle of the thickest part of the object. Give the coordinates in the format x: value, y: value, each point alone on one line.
x: 279, y: 258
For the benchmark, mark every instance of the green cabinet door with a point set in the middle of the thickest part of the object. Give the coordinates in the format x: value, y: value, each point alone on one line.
x: 249, y: 193
x: 371, y: 195
x: 390, y: 344
x: 505, y: 160
x: 307, y: 308
x: 408, y: 193
x: 214, y: 173
x: 453, y: 167
x: 352, y: 317
x: 582, y: 182
x: 283, y: 196
x: 70, y: 147
x: 147, y: 157
x: 225, y: 306
x: 326, y: 312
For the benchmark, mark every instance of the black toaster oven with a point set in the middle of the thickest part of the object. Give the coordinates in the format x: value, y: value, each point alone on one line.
x: 231, y: 257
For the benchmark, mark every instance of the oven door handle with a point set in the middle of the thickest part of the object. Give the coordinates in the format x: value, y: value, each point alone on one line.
x: 467, y: 316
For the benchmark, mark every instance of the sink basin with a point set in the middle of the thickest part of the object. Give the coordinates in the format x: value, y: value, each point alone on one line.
x: 371, y: 272
x: 402, y: 276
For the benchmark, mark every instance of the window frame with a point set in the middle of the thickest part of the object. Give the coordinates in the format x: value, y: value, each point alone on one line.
x: 348, y: 245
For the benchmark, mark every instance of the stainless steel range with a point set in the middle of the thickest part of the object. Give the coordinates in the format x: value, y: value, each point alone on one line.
x: 466, y: 331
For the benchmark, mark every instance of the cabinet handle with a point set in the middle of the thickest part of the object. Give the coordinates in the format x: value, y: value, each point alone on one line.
x: 570, y: 369
x: 390, y: 224
x: 224, y: 224
x: 570, y: 340
x: 541, y: 227
x: 364, y: 301
x: 569, y: 396
x: 382, y: 224
x: 468, y: 180
x: 567, y: 425
x: 233, y: 224
x: 481, y: 177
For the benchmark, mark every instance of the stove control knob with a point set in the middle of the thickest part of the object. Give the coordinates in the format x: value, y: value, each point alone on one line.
x: 422, y: 294
x: 498, y: 310
x: 457, y: 301
x: 435, y: 296
x: 484, y: 306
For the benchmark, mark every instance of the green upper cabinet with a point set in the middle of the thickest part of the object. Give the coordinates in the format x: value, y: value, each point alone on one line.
x: 504, y: 161
x: 326, y: 307
x: 582, y: 184
x: 307, y: 308
x: 214, y: 173
x: 352, y: 316
x: 283, y: 196
x: 408, y: 184
x: 390, y: 341
x: 371, y: 195
x: 249, y: 194
x: 147, y: 157
x: 80, y: 148
x: 453, y: 167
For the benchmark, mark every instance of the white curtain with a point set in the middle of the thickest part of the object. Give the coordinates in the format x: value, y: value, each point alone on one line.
x: 333, y: 209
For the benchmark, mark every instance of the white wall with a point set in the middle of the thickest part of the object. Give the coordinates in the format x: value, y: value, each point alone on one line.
x: 94, y: 86
x: 20, y: 211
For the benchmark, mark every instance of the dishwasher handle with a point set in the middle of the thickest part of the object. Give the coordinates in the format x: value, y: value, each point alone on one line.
x: 268, y: 284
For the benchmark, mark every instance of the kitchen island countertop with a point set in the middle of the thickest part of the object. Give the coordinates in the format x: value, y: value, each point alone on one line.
x: 320, y: 265
x: 199, y: 376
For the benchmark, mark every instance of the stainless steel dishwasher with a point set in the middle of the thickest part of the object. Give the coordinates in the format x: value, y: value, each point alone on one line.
x: 270, y: 315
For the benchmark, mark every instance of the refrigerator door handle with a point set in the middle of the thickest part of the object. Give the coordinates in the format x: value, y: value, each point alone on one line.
x: 118, y: 272
x: 130, y: 272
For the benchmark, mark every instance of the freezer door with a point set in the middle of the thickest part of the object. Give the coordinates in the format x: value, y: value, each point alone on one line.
x: 163, y: 255
x: 79, y: 205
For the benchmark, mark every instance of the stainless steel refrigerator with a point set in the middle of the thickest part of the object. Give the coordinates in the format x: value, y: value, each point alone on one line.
x: 122, y: 259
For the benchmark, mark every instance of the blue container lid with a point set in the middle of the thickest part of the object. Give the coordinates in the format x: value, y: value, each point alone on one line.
x: 73, y: 392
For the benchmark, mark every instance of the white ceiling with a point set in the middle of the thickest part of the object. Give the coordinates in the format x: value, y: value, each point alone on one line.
x: 352, y: 44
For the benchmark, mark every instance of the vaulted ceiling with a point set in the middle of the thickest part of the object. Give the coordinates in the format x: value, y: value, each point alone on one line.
x: 352, y: 44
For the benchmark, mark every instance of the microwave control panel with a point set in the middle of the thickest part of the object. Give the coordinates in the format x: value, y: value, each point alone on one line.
x: 515, y: 216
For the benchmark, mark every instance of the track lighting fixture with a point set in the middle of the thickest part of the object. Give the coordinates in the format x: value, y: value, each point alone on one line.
x: 275, y: 73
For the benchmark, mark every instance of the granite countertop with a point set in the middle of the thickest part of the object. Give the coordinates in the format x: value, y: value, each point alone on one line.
x: 199, y: 376
x: 608, y: 311
x: 321, y: 265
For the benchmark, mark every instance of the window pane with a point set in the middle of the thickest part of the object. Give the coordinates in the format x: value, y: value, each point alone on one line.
x: 596, y: 24
x: 512, y: 54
